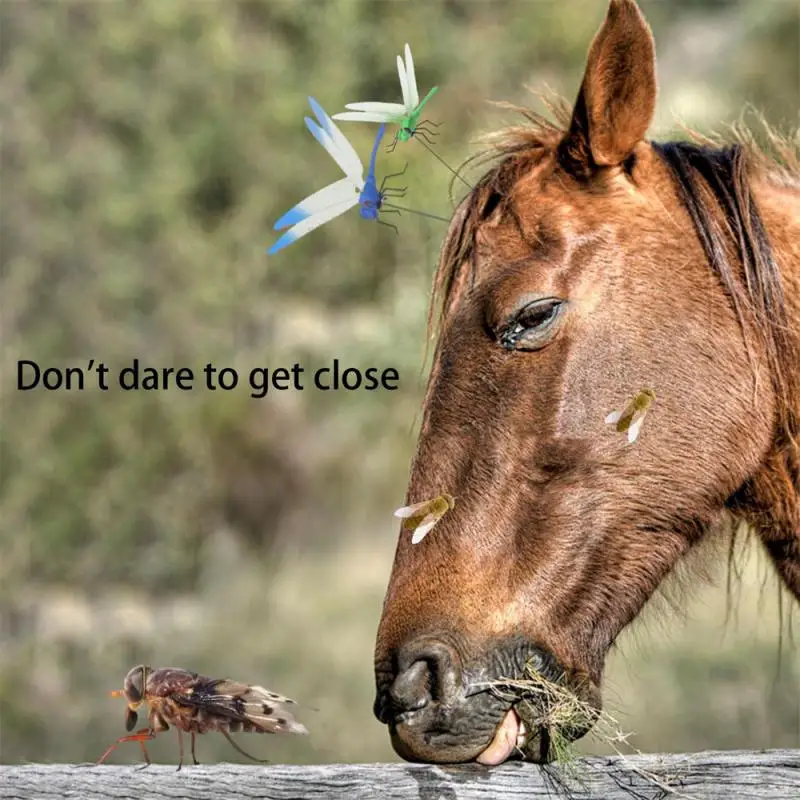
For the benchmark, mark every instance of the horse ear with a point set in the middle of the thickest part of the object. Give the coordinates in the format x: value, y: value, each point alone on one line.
x: 618, y: 95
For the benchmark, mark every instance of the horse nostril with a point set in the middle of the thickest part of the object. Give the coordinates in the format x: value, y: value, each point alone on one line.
x: 427, y: 673
x: 411, y: 688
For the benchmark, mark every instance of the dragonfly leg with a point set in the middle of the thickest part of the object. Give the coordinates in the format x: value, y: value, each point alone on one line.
x: 424, y: 136
x: 393, y: 145
x: 194, y: 757
x: 140, y: 736
x: 423, y: 127
x: 395, y: 192
x: 430, y: 122
x: 394, y: 175
x: 389, y: 225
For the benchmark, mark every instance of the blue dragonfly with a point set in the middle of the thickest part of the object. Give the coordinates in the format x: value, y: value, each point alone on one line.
x: 342, y: 195
x: 371, y: 200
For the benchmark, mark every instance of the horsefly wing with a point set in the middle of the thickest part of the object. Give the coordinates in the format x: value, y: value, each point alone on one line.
x: 630, y: 419
x: 421, y: 517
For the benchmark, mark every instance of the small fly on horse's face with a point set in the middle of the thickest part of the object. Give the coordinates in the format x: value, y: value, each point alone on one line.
x: 588, y: 265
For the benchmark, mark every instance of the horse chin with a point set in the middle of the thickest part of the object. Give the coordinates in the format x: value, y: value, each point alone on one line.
x: 425, y: 748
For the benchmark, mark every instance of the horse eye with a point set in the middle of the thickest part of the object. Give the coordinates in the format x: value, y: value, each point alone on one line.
x: 530, y: 328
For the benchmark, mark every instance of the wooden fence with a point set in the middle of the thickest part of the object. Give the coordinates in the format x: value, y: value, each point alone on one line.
x: 734, y: 775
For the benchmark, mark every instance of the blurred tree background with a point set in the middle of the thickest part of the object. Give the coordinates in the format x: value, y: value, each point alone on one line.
x: 147, y: 150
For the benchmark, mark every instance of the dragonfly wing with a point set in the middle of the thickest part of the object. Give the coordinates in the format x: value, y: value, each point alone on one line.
x: 342, y: 151
x: 401, y: 71
x: 411, y: 80
x: 312, y: 223
x: 355, y: 172
x: 377, y: 108
x: 423, y: 528
x: 332, y: 194
x: 365, y: 116
x: 635, y: 427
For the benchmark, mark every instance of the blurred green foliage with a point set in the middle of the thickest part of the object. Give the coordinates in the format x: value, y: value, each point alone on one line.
x: 147, y: 150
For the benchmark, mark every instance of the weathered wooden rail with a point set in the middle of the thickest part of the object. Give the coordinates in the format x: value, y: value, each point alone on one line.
x: 734, y: 775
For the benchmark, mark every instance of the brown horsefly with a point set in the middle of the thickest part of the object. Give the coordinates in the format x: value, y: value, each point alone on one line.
x: 421, y: 517
x: 195, y: 704
x: 630, y: 419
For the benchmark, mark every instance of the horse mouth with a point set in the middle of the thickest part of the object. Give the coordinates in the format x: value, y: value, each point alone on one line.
x: 520, y: 735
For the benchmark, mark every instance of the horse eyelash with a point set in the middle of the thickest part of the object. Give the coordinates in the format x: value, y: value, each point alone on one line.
x: 510, y: 333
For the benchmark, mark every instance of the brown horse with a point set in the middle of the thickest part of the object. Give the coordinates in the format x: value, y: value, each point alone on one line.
x: 588, y: 264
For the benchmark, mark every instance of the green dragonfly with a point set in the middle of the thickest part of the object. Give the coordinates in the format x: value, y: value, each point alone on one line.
x: 405, y: 115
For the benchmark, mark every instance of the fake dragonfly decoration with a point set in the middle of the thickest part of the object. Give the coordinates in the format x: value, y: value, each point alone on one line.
x: 630, y: 419
x: 342, y: 195
x: 405, y: 115
x: 353, y: 190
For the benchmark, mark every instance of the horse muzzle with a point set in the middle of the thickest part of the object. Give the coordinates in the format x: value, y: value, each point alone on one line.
x: 441, y: 710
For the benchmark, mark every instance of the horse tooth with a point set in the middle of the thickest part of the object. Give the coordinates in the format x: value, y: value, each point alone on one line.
x: 521, y: 734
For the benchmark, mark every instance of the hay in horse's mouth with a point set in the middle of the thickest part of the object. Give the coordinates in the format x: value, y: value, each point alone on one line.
x: 544, y: 718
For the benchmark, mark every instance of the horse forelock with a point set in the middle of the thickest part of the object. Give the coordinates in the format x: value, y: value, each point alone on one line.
x: 714, y: 180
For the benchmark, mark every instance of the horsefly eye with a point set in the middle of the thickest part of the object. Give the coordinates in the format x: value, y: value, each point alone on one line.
x: 134, y: 684
x: 531, y: 327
